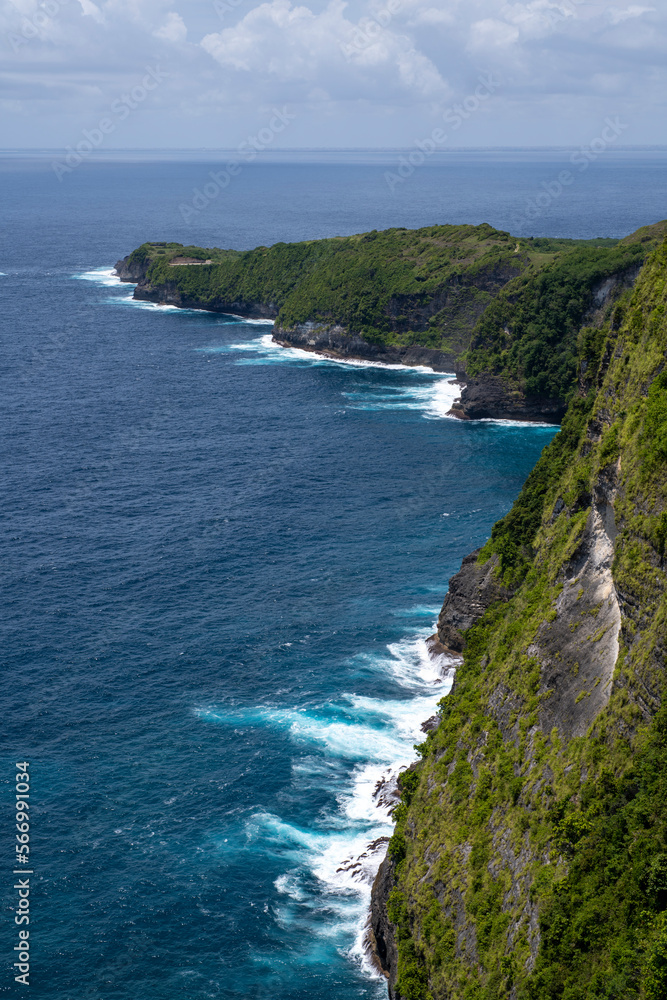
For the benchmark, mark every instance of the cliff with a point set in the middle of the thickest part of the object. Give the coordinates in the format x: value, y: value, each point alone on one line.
x: 529, y: 858
x: 444, y: 296
x: 522, y: 359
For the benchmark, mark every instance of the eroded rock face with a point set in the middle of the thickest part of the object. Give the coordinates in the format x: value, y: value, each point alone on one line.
x: 579, y: 648
x: 170, y: 294
x: 472, y: 591
x: 338, y: 342
x: 493, y: 397
x: 381, y: 932
x: 577, y: 651
x: 132, y: 272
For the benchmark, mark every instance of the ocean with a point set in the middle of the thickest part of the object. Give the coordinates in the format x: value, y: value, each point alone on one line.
x: 220, y: 563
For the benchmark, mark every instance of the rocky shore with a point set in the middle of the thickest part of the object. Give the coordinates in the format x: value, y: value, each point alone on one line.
x: 489, y: 397
x: 336, y: 342
x: 500, y: 314
x: 494, y: 397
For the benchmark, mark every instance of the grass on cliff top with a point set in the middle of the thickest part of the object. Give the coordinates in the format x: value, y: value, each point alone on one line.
x: 502, y: 820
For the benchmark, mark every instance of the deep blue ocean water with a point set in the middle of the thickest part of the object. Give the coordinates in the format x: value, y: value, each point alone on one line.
x: 219, y: 563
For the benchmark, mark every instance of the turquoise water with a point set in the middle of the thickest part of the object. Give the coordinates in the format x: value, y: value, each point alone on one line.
x: 220, y: 561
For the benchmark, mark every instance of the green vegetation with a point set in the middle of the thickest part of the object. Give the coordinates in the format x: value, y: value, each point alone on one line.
x: 654, y: 436
x: 603, y: 924
x: 529, y: 334
x: 401, y: 287
x: 530, y: 848
x: 387, y: 286
x: 512, y: 537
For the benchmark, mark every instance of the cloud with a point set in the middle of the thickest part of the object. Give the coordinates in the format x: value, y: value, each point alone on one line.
x: 432, y: 16
x: 381, y: 68
x: 280, y: 43
x: 89, y: 9
x: 492, y: 34
x: 174, y: 29
x: 619, y: 16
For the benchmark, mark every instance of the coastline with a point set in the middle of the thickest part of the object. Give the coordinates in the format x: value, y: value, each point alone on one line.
x: 479, y: 399
x: 377, y: 945
x: 471, y: 300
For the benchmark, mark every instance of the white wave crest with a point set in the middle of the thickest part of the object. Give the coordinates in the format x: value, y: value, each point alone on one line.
x: 331, y: 866
x: 271, y: 352
x: 100, y: 275
x: 128, y: 300
x: 516, y: 424
x: 434, y: 399
x: 251, y: 322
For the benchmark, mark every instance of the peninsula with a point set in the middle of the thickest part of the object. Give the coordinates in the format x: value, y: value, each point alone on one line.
x: 501, y: 312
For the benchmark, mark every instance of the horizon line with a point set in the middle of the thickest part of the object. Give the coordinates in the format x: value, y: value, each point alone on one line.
x: 330, y: 149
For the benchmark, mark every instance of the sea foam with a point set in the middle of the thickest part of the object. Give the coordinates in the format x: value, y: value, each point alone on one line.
x: 271, y: 352
x: 100, y: 275
x: 362, y: 743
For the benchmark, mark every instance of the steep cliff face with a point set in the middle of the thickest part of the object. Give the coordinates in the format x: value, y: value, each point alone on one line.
x: 530, y: 853
x: 169, y: 293
x: 521, y: 362
x: 132, y: 268
x: 471, y: 592
x: 497, y: 397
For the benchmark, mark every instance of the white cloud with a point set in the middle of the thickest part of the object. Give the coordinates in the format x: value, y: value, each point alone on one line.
x: 89, y: 9
x: 327, y: 53
x: 359, y: 62
x: 491, y: 33
x: 174, y: 30
x: 538, y: 18
x: 618, y: 16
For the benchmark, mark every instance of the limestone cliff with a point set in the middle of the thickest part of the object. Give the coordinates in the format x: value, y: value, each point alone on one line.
x: 529, y: 858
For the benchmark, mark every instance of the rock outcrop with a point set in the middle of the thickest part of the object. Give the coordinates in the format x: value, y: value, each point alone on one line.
x: 497, y: 398
x: 132, y: 270
x: 169, y: 293
x: 381, y: 932
x: 471, y: 592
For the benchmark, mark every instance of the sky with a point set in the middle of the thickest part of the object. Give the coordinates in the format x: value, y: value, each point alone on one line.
x: 315, y: 74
